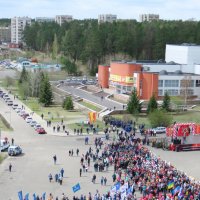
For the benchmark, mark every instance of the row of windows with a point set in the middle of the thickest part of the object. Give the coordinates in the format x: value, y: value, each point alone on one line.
x: 175, y: 83
x: 174, y: 92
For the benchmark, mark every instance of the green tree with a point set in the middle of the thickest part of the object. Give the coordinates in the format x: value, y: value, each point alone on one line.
x: 68, y: 66
x: 68, y: 104
x: 23, y: 76
x: 45, y: 95
x: 166, y: 102
x: 134, y: 105
x: 160, y: 118
x: 152, y: 105
x: 55, y: 47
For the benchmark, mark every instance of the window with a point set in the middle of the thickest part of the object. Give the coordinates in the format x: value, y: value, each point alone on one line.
x: 160, y: 92
x: 172, y: 92
x: 187, y: 83
x: 160, y: 83
x: 171, y: 83
x: 197, y: 83
x: 188, y: 92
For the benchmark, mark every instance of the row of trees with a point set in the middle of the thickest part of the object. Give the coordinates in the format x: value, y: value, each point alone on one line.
x: 157, y: 117
x: 86, y: 41
x: 36, y: 85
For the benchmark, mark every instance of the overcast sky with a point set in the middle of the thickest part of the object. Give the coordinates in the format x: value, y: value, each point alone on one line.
x: 81, y: 9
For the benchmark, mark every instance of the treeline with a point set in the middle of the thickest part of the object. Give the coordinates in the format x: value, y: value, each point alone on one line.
x: 86, y: 41
x: 5, y: 22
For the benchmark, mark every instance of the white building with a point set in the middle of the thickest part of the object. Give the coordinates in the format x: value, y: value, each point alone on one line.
x: 183, y: 54
x: 44, y: 19
x: 18, y: 25
x: 60, y: 19
x: 148, y: 17
x: 107, y: 18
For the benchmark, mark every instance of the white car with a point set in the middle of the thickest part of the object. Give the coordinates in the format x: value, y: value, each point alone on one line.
x: 15, y: 106
x: 37, y: 126
x: 158, y: 130
x: 4, y: 144
x: 29, y: 120
x: 7, y: 99
x: 9, y: 103
x: 5, y: 96
x: 22, y: 112
x: 33, y: 123
x: 18, y: 110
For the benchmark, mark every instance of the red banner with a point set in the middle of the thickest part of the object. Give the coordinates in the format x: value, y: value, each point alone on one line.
x: 183, y: 131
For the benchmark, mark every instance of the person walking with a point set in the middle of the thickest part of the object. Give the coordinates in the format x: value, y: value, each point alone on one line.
x: 50, y: 177
x: 56, y: 177
x: 10, y: 167
x: 12, y: 141
x: 102, y: 180
x: 62, y: 172
x: 80, y: 172
x: 42, y: 115
x: 105, y: 181
x: 94, y: 178
x: 77, y: 152
x: 54, y: 159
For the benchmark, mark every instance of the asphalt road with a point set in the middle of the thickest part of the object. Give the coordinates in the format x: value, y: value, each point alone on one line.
x: 31, y: 170
x: 85, y: 95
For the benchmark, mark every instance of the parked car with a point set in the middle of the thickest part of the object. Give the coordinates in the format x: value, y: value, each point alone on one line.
x: 9, y: 103
x: 18, y: 110
x: 5, y: 96
x: 41, y: 130
x: 7, y: 99
x: 22, y: 112
x: 37, y: 126
x: 33, y: 123
x: 28, y: 119
x: 14, y: 150
x: 4, y: 144
x: 15, y: 106
x: 25, y: 115
x: 158, y: 130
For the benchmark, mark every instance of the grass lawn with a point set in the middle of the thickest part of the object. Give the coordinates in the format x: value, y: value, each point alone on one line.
x: 3, y: 127
x: 2, y: 157
x: 55, y: 113
x: 190, y: 116
x: 90, y: 106
x: 84, y: 126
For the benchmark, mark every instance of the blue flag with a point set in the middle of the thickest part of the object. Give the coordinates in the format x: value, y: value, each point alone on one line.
x: 176, y: 190
x: 76, y: 188
x: 44, y: 196
x: 117, y: 185
x: 27, y: 196
x: 34, y: 197
x: 20, y: 195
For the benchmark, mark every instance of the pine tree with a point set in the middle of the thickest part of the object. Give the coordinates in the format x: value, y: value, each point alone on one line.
x: 134, y: 105
x: 45, y: 95
x: 68, y: 104
x: 23, y: 76
x: 166, y: 102
x: 55, y: 47
x: 152, y: 105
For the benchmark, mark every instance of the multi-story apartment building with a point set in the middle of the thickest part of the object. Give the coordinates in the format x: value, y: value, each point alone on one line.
x: 148, y: 17
x: 18, y: 25
x: 107, y: 18
x: 5, y: 34
x: 44, y: 19
x: 60, y: 19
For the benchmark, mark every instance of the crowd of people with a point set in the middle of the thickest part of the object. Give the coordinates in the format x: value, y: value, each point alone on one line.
x: 140, y: 170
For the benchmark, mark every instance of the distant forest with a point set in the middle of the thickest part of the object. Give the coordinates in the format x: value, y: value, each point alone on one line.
x: 5, y: 22
x: 91, y: 43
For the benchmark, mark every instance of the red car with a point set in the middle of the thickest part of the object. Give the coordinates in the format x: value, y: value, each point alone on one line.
x: 41, y: 130
x: 25, y: 115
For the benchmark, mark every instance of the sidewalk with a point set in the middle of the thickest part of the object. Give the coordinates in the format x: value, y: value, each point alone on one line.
x: 43, y: 122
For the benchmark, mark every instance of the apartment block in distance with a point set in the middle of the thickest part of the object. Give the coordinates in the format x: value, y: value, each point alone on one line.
x: 107, y: 18
x: 5, y: 34
x: 44, y: 19
x: 148, y: 17
x: 60, y: 19
x: 18, y: 25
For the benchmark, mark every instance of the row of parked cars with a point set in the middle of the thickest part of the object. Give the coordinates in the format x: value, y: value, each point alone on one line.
x: 15, y: 149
